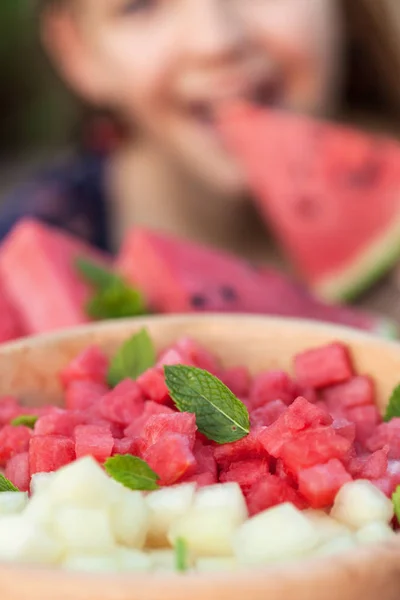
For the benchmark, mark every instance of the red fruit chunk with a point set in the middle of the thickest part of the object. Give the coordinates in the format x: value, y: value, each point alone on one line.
x: 324, y: 366
x: 59, y: 422
x: 81, y: 395
x: 247, y: 448
x: 194, y: 354
x: 50, y: 452
x: 204, y: 456
x: 13, y: 440
x: 9, y: 409
x: 366, y: 419
x: 237, y: 379
x: 345, y: 428
x: 358, y: 391
x: 282, y: 472
x: 201, y: 479
x: 271, y: 491
x: 128, y: 446
x: 312, y: 447
x: 172, y: 357
x: 373, y: 466
x: 268, y: 414
x: 386, y: 434
x: 246, y: 473
x: 94, y: 440
x: 270, y: 386
x: 160, y: 426
x: 150, y: 409
x: 171, y: 458
x: 123, y: 404
x: 320, y: 484
x: 89, y: 365
x: 17, y: 471
x: 153, y: 386
x: 298, y: 416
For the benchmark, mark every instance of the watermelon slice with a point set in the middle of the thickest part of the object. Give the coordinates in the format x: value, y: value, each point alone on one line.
x: 11, y: 326
x: 38, y: 273
x: 331, y: 193
x: 178, y: 276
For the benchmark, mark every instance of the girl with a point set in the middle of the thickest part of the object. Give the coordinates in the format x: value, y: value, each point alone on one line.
x: 162, y: 68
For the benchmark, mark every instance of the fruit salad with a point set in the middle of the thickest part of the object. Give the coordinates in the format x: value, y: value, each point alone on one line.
x: 173, y: 462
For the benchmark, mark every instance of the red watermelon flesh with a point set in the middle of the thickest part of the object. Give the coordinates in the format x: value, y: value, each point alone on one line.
x: 178, y: 276
x: 331, y: 193
x: 38, y: 273
x: 11, y: 326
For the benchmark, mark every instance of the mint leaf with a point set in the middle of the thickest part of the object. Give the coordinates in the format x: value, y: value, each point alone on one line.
x: 132, y: 472
x: 396, y: 502
x: 220, y: 416
x: 393, y: 408
x: 117, y: 301
x: 94, y: 274
x: 132, y: 359
x: 181, y: 555
x: 26, y: 420
x: 6, y: 485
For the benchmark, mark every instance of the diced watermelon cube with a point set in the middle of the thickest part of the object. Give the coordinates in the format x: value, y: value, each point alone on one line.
x: 247, y: 448
x: 372, y: 466
x: 11, y: 323
x: 150, y: 409
x: 283, y: 473
x: 366, y: 420
x: 153, y: 387
x: 271, y: 491
x: 312, y: 447
x: 195, y: 354
x: 94, y: 440
x: 324, y: 366
x: 320, y: 484
x: 358, y: 391
x: 81, y: 395
x: 246, y: 473
x: 160, y: 426
x: 128, y: 445
x: 237, y: 379
x: 201, y: 479
x: 171, y: 458
x: 270, y: 386
x: 89, y: 365
x: 17, y: 471
x: 205, y: 459
x: 50, y: 452
x: 345, y: 428
x: 309, y: 393
x: 172, y: 356
x: 9, y: 409
x: 123, y: 404
x: 13, y: 440
x: 268, y: 414
x: 386, y: 434
x: 59, y: 422
x: 298, y: 416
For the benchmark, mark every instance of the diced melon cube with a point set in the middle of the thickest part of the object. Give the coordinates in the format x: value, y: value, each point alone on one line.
x: 279, y: 533
x: 40, y: 482
x: 327, y: 527
x: 12, y: 502
x: 83, y: 529
x: 359, y: 503
x: 83, y: 483
x: 133, y: 560
x: 207, y: 531
x: 336, y: 545
x: 92, y: 563
x: 166, y: 505
x: 374, y: 533
x: 40, y: 510
x: 25, y: 541
x: 210, y: 565
x: 130, y: 519
x: 163, y: 560
x: 226, y: 496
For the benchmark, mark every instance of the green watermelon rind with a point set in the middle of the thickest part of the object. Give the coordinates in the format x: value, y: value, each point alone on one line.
x: 347, y: 284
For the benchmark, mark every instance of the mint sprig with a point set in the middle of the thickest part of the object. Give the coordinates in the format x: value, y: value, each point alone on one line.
x: 25, y: 420
x: 220, y: 416
x: 396, y: 502
x: 393, y: 408
x: 181, y: 555
x: 132, y: 472
x: 92, y: 273
x: 6, y: 485
x: 132, y: 359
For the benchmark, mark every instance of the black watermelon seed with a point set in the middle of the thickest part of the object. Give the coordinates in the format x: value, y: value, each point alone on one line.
x: 198, y: 301
x: 228, y: 293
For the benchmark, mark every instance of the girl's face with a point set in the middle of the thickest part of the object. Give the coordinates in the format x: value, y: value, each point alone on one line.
x: 167, y: 65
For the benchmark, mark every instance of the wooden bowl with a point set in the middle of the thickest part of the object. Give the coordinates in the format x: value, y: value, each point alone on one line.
x: 28, y: 369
